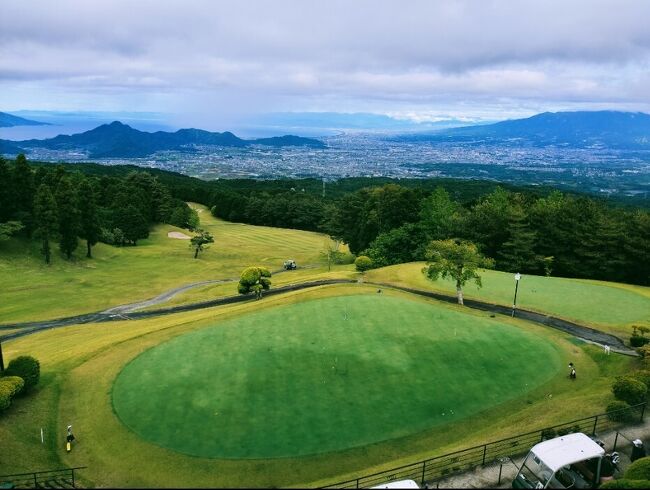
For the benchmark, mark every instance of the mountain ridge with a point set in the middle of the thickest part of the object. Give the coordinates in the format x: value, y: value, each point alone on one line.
x: 119, y: 140
x: 9, y: 121
x: 576, y: 129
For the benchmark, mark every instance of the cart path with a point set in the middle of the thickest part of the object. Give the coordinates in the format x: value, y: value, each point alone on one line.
x: 126, y: 312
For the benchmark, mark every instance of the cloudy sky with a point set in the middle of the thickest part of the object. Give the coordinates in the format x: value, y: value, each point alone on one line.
x: 217, y: 60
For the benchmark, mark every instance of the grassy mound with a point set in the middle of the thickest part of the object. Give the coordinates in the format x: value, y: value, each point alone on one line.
x: 326, y: 375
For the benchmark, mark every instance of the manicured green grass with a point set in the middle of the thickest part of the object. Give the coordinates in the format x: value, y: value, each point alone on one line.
x: 33, y: 291
x: 308, y: 378
x: 614, y: 307
x: 80, y: 365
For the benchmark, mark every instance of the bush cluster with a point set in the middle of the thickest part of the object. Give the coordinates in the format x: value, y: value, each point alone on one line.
x: 637, y: 475
x: 10, y: 387
x: 629, y: 390
x: 25, y: 367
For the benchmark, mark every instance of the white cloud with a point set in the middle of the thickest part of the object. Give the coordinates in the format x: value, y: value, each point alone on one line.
x: 337, y: 55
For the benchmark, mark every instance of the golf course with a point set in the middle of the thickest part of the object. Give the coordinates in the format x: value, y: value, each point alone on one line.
x: 302, y: 388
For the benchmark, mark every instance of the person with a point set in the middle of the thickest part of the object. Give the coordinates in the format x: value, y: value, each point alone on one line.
x: 70, y: 436
x: 607, y: 349
x: 572, y: 371
x: 638, y: 451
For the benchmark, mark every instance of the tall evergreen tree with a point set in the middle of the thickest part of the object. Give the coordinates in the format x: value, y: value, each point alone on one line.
x: 67, y: 204
x: 89, y: 229
x: 6, y: 198
x: 45, y: 219
x: 23, y: 189
x: 517, y: 253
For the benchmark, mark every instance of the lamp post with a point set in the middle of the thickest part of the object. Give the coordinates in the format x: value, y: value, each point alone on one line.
x: 514, y: 303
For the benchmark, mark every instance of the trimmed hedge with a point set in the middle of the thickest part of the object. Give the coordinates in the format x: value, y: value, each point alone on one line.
x: 615, y: 412
x: 630, y: 390
x: 15, y: 383
x: 27, y: 368
x: 639, y: 470
x: 625, y: 483
x: 363, y: 263
x: 5, y: 396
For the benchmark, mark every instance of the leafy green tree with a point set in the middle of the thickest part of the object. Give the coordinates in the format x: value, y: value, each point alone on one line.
x: 488, y: 221
x: 68, y: 213
x: 200, y: 241
x: 440, y: 216
x: 363, y: 263
x: 45, y: 218
x: 399, y: 245
x: 331, y: 253
x: 9, y: 228
x: 255, y: 280
x: 455, y: 259
x: 132, y: 223
x: 26, y: 367
x: 89, y: 229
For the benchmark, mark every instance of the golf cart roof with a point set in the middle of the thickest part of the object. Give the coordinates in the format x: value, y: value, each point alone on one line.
x: 399, y: 484
x: 566, y: 450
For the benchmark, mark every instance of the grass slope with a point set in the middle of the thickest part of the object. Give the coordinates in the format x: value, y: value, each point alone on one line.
x: 80, y: 364
x: 613, y: 307
x: 33, y: 291
x: 307, y: 378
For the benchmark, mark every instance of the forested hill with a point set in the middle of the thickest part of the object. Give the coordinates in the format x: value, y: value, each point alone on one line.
x: 537, y: 231
x: 117, y: 140
x: 582, y: 129
x: 9, y: 121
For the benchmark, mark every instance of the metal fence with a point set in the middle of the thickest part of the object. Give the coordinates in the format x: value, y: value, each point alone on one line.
x: 491, y: 453
x: 62, y: 478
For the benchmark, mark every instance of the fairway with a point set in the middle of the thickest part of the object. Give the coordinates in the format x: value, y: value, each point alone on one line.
x: 326, y: 375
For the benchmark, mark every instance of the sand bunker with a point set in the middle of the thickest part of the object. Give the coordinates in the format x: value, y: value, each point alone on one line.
x: 179, y: 235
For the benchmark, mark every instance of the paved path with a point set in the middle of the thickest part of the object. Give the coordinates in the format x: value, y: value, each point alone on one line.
x: 127, y: 312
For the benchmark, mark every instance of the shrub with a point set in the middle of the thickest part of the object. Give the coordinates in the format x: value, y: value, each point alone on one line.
x: 625, y: 483
x: 548, y: 434
x: 15, y: 384
x: 643, y: 376
x: 644, y: 352
x: 638, y: 341
x: 615, y: 412
x: 25, y: 367
x: 629, y: 390
x: 363, y: 263
x: 639, y: 470
x: 5, y: 396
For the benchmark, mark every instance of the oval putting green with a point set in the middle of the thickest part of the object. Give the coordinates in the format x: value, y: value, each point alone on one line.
x: 326, y: 375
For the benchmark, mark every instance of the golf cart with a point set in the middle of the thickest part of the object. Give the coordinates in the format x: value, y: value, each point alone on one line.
x: 570, y: 461
x: 290, y: 265
x: 399, y: 484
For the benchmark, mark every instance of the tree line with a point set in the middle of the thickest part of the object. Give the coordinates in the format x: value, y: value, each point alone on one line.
x: 521, y: 231
x: 54, y: 205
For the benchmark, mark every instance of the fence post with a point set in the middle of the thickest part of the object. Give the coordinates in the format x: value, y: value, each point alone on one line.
x: 615, y: 441
x: 593, y: 433
x: 357, y: 483
x: 424, y: 465
x: 35, y: 483
x: 484, y: 451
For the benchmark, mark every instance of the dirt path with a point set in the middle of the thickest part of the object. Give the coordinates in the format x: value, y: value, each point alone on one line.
x: 127, y: 312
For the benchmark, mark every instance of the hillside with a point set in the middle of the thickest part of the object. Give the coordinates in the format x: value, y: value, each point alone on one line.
x: 118, y: 140
x: 583, y: 129
x: 9, y: 121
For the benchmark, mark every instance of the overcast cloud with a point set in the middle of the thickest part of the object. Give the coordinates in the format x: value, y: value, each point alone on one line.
x: 206, y: 60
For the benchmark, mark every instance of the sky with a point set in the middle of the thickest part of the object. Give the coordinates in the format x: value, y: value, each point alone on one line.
x: 212, y: 62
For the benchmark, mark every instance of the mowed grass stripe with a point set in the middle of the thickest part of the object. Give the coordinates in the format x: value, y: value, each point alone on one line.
x: 326, y: 375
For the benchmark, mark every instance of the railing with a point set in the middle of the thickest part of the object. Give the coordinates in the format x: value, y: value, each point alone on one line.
x: 62, y: 478
x: 492, y: 453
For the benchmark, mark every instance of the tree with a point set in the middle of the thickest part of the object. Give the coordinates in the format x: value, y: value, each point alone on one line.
x: 89, y: 229
x: 331, y: 253
x: 27, y: 368
x: 254, y: 279
x: 6, y: 190
x: 46, y: 219
x: 200, y: 241
x: 517, y: 252
x: 9, y: 228
x: 23, y: 188
x: 439, y: 215
x: 456, y: 259
x: 363, y: 263
x: 67, y: 205
x: 132, y: 223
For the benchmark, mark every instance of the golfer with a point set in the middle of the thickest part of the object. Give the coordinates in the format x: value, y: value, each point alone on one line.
x: 572, y: 371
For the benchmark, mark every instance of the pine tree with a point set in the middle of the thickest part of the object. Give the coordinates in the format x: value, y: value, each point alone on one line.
x: 89, y: 229
x: 6, y: 202
x: 66, y: 198
x: 22, y: 182
x: 45, y: 219
x: 517, y: 253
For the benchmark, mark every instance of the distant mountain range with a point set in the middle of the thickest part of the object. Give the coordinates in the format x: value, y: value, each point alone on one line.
x: 583, y: 129
x: 9, y: 121
x: 117, y: 140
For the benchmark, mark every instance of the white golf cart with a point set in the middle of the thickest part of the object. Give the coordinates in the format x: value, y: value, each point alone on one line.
x: 570, y: 461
